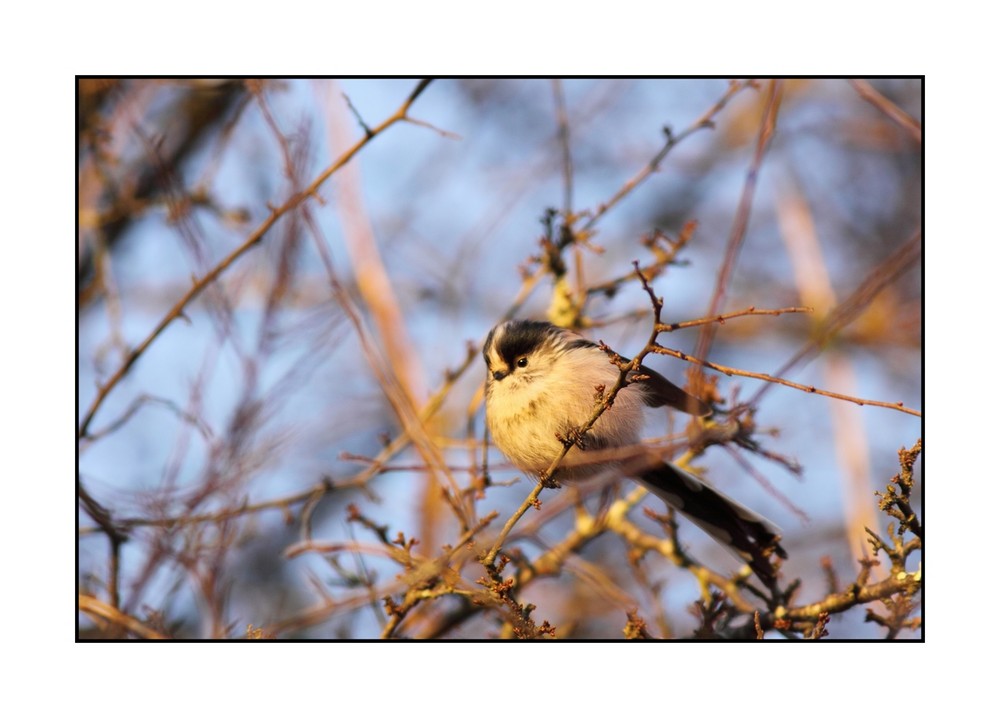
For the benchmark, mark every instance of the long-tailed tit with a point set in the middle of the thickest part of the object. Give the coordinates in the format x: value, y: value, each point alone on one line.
x: 541, y: 386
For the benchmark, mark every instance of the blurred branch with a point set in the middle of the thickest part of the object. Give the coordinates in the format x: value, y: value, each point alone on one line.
x: 283, y: 504
x: 401, y: 403
x: 772, y: 102
x: 376, y: 289
x: 814, y: 285
x: 193, y: 114
x: 378, y: 295
x: 562, y: 120
x: 103, y: 612
x: 141, y: 401
x: 889, y: 109
x: 885, y: 274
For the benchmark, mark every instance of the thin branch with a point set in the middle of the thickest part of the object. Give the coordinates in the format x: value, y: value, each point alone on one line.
x: 889, y: 109
x: 854, y: 596
x: 531, y: 500
x: 284, y: 504
x: 100, y: 610
x: 885, y: 274
x: 653, y: 166
x: 742, y: 218
x: 138, y: 403
x: 731, y: 371
x: 447, y: 134
x: 663, y: 258
x: 562, y: 120
x: 723, y: 318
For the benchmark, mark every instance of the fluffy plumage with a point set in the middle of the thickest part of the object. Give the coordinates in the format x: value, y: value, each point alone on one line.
x: 541, y: 385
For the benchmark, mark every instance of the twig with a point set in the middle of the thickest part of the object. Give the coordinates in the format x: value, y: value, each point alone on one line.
x: 567, y: 158
x: 888, y: 108
x: 723, y: 318
x: 742, y: 218
x: 137, y: 404
x: 284, y: 504
x: 848, y: 310
x: 904, y: 583
x: 357, y: 115
x: 705, y: 121
x: 98, y: 609
x: 447, y: 134
x: 531, y: 500
x: 664, y: 257
x: 731, y: 371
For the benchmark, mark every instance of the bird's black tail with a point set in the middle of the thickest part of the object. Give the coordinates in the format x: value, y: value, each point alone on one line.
x: 751, y: 537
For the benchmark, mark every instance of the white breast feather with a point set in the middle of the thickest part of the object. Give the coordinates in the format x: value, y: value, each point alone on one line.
x: 532, y: 405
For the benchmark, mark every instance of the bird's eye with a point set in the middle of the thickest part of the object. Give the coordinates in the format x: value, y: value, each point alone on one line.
x: 522, y: 362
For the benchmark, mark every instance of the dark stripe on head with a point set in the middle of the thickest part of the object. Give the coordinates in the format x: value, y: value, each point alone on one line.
x: 521, y: 337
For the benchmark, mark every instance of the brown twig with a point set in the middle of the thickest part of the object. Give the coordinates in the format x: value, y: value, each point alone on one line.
x: 885, y: 274
x: 663, y: 258
x: 888, y: 108
x: 740, y: 222
x: 138, y: 403
x: 731, y: 371
x: 723, y: 318
x: 854, y: 596
x: 562, y: 120
x: 102, y: 611
x: 705, y: 121
x: 531, y: 500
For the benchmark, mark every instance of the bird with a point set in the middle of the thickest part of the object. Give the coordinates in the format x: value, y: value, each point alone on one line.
x: 543, y: 384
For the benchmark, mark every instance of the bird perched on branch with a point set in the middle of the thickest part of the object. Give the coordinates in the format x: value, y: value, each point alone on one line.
x: 543, y: 386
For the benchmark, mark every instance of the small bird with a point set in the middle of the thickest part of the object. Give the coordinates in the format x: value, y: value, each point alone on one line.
x: 542, y: 384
